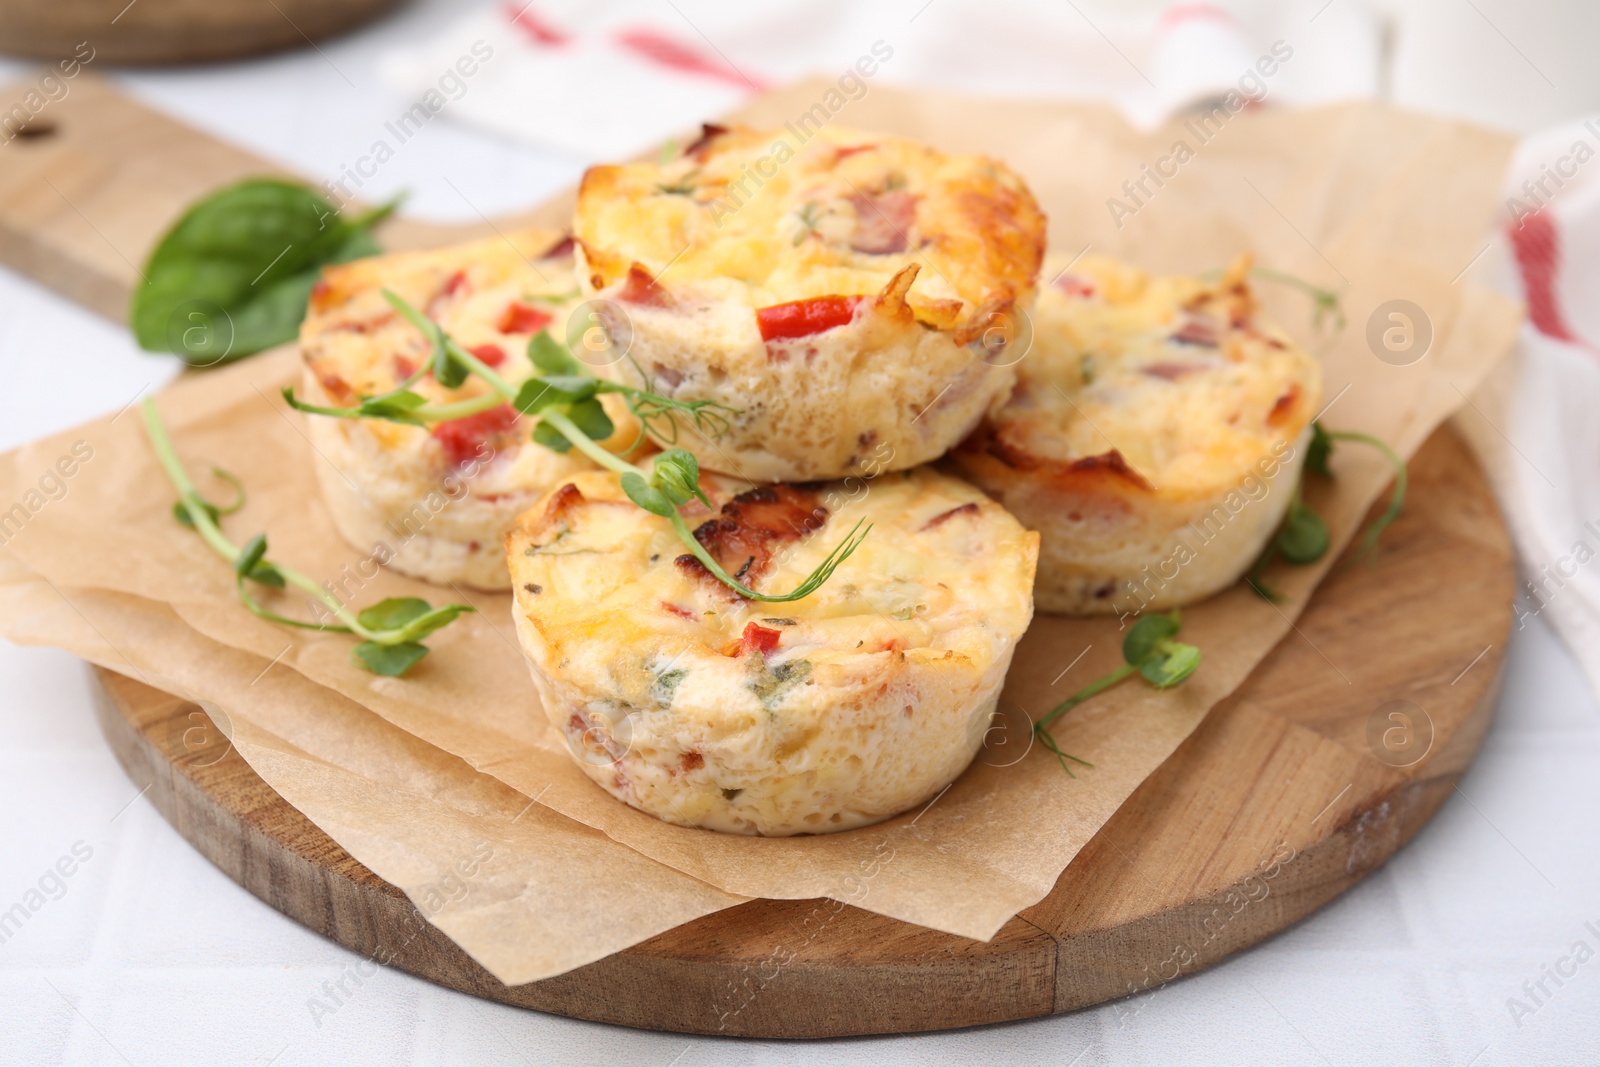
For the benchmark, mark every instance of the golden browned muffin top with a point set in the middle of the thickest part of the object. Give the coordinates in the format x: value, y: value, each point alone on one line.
x: 766, y: 217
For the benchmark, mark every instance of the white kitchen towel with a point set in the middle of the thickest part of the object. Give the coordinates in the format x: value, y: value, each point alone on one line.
x: 1537, y: 423
x: 608, y: 79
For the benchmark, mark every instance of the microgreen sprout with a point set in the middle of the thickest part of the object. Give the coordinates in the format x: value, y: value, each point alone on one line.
x: 391, y: 630
x: 1303, y: 538
x: 810, y: 218
x: 684, y: 186
x: 1148, y: 649
x: 216, y: 511
x: 1325, y: 303
x: 566, y: 399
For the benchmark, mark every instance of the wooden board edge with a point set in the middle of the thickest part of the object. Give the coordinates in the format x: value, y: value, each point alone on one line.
x: 1204, y: 933
x: 733, y: 998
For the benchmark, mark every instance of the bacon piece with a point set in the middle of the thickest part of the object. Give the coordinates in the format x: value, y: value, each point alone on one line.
x: 673, y: 609
x: 802, y: 318
x: 456, y: 283
x: 337, y: 388
x: 493, y: 355
x: 1011, y: 454
x: 1198, y: 330
x: 1113, y: 463
x: 404, y: 368
x: 640, y: 288
x: 561, y: 248
x: 1075, y: 285
x: 1283, y: 406
x: 1171, y: 371
x: 464, y: 439
x: 594, y: 737
x: 882, y: 221
x: 520, y: 318
x: 752, y: 526
x: 709, y: 131
x: 365, y: 326
x: 945, y: 516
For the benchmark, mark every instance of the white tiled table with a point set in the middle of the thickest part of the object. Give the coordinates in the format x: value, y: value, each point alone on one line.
x: 153, y: 957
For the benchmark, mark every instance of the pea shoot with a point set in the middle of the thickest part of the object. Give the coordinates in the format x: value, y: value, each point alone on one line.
x: 1303, y: 538
x: 566, y: 399
x: 1148, y: 649
x: 1326, y: 304
x: 391, y: 630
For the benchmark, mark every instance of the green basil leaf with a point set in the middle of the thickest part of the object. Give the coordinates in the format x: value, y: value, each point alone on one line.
x: 551, y: 438
x: 646, y: 495
x: 234, y: 273
x: 547, y: 354
x: 391, y: 661
x: 1304, y: 537
x: 1141, y: 641
x: 592, y: 419
x: 1168, y: 670
x: 393, y: 613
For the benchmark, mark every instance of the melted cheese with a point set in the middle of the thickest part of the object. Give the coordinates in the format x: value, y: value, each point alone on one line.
x: 764, y: 217
x: 1109, y: 369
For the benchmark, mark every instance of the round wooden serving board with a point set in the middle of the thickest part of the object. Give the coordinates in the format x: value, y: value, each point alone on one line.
x: 1285, y: 796
x: 173, y: 31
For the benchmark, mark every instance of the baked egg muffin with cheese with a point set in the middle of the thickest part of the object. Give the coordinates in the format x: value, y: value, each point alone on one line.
x: 689, y: 702
x: 439, y: 500
x: 1154, y: 439
x: 848, y: 294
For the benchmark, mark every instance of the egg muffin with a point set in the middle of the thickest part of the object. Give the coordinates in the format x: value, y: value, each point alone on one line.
x: 435, y: 503
x: 683, y: 699
x: 1154, y: 439
x: 841, y: 290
